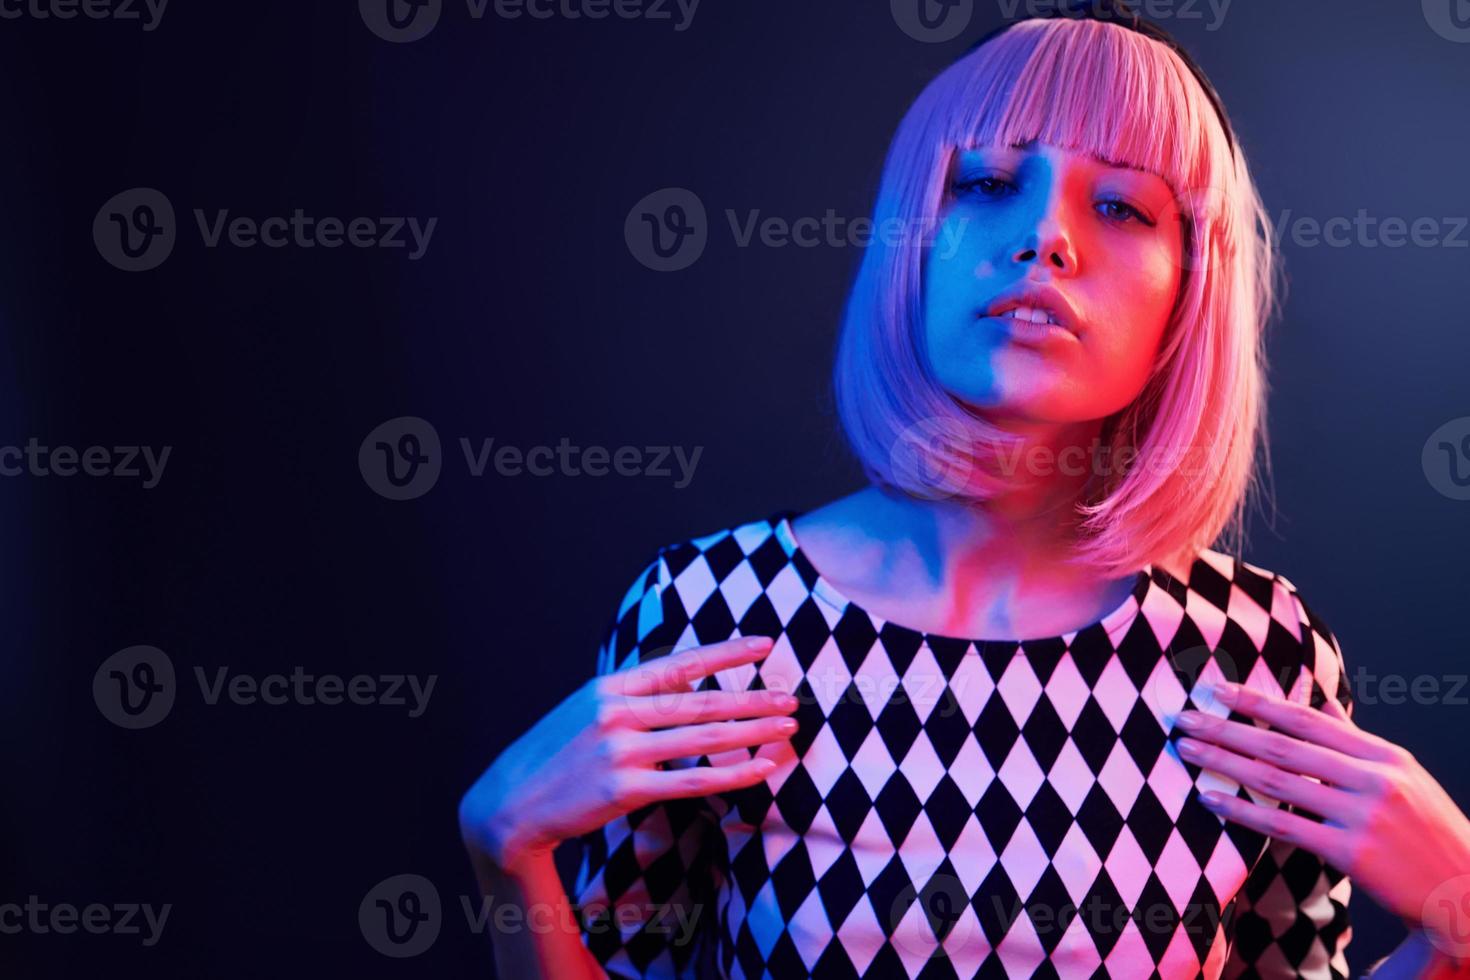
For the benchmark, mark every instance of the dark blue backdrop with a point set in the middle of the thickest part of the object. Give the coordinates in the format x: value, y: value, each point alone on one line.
x: 528, y: 319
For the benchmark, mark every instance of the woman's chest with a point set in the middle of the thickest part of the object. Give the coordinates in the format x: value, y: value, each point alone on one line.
x: 984, y: 812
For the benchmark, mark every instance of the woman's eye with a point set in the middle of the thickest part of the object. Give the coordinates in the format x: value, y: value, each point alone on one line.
x: 985, y: 186
x: 1122, y: 211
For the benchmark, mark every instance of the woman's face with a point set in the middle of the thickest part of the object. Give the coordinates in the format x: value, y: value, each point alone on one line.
x: 1102, y: 247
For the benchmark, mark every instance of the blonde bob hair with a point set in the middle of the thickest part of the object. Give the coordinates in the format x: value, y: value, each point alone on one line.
x: 1190, y: 438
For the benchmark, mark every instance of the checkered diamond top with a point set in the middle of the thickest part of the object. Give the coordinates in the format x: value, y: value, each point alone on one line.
x: 960, y: 808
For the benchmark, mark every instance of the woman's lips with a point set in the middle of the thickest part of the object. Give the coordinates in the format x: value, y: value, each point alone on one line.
x: 1027, y: 332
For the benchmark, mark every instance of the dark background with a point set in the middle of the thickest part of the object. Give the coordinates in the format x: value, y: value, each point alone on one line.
x: 529, y: 320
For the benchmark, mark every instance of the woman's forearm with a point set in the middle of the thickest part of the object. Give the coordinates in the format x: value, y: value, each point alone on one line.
x: 1416, y: 958
x: 548, y: 941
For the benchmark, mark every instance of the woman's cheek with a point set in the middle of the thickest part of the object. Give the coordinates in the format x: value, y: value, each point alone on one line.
x: 1162, y: 272
x: 1123, y: 339
x: 1149, y: 287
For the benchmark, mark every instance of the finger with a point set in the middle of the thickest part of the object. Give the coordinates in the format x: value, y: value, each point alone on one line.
x: 1328, y: 843
x: 1297, y: 719
x: 1332, y: 707
x: 677, y: 671
x: 646, y: 748
x: 693, y: 707
x: 664, y: 784
x: 1277, y: 749
x: 1279, y: 784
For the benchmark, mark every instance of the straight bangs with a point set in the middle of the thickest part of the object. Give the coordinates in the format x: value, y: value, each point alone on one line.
x: 1090, y: 87
x: 1193, y: 433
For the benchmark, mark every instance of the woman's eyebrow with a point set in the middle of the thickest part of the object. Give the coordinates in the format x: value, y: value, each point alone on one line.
x: 1105, y: 161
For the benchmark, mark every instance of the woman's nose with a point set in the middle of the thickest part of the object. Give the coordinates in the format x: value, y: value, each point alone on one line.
x: 1050, y: 246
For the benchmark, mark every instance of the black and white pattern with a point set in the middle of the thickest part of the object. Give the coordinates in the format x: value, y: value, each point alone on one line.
x: 960, y: 808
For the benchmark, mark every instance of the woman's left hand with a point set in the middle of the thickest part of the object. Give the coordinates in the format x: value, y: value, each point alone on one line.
x: 1389, y: 825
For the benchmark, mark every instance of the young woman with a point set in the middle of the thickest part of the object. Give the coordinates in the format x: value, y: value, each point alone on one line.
x: 978, y: 718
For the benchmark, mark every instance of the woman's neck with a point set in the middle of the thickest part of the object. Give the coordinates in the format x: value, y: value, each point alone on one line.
x: 957, y: 567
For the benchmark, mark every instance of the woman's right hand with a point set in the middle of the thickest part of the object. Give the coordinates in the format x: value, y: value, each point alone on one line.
x: 596, y: 755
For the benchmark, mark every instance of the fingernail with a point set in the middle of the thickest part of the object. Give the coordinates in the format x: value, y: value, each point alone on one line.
x: 756, y: 642
x: 1211, y: 799
x: 1226, y: 691
x: 764, y: 765
x: 1189, y: 746
x: 786, y: 725
x: 1187, y: 719
x: 788, y: 701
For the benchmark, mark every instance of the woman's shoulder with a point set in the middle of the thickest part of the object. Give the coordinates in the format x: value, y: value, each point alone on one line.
x: 725, y: 561
x: 693, y: 590
x: 715, y: 583
x: 1286, y: 634
x: 1246, y: 591
x: 703, y: 560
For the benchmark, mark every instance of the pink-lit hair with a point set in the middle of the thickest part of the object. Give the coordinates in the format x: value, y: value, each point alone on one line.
x: 1106, y: 90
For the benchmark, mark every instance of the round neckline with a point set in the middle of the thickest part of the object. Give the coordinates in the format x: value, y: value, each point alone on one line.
x: 1116, y: 618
